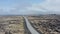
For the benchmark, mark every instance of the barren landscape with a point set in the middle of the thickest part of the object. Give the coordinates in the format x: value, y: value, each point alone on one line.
x: 43, y: 24
x: 11, y: 25
x: 46, y: 24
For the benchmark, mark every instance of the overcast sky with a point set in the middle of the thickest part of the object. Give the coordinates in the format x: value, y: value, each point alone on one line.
x: 29, y: 7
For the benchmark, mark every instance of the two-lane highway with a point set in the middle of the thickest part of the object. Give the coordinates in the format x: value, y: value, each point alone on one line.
x: 29, y: 26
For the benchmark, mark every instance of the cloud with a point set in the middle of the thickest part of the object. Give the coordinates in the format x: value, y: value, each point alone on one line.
x: 45, y: 7
x: 53, y: 5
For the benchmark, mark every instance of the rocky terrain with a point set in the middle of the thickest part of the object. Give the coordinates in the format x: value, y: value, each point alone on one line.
x: 11, y: 25
x: 47, y: 24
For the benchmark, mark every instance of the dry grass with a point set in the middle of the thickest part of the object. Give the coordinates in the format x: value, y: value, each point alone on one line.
x: 41, y: 23
x: 14, y: 24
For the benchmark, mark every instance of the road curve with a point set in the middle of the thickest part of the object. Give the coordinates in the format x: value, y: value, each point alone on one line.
x: 29, y: 26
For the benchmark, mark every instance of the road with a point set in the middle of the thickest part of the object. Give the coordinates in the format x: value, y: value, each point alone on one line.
x: 29, y: 26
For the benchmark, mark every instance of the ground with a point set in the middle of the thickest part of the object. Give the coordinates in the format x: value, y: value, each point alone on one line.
x: 46, y: 24
x: 11, y: 24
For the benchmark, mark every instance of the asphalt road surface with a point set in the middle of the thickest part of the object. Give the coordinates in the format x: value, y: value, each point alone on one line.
x: 29, y: 26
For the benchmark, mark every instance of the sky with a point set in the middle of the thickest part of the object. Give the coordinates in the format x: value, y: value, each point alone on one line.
x: 25, y: 7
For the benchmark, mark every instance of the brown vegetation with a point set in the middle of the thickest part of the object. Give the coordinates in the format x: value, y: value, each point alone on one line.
x: 11, y: 25
x: 47, y: 24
